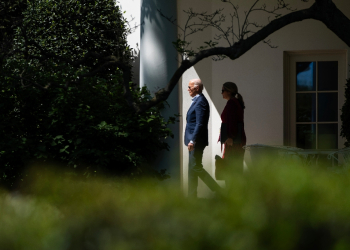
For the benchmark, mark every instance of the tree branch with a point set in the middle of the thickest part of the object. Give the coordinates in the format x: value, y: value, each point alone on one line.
x: 322, y: 10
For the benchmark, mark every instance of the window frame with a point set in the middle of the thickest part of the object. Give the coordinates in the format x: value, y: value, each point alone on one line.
x: 289, y: 59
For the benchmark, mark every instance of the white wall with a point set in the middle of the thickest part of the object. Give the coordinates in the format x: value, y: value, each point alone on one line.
x: 132, y: 9
x: 132, y: 13
x: 258, y: 74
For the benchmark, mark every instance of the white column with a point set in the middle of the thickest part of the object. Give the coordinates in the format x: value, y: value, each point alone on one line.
x: 157, y: 64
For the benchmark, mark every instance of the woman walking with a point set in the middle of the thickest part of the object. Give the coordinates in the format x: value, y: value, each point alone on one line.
x: 232, y: 134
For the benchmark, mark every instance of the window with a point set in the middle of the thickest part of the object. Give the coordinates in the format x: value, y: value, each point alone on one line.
x: 314, y: 94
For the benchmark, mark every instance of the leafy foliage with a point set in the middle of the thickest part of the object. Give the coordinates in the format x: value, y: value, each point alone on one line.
x: 280, y: 206
x: 11, y: 17
x: 345, y: 115
x: 67, y: 42
x: 62, y: 99
x: 87, y: 129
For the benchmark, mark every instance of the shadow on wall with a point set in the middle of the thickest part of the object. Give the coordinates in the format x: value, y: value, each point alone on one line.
x: 159, y: 58
x: 149, y: 12
x: 136, y: 67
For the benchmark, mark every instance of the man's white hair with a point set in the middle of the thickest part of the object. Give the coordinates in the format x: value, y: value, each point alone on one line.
x: 198, y: 82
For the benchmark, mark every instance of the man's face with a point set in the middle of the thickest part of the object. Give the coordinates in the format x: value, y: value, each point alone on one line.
x: 192, y: 89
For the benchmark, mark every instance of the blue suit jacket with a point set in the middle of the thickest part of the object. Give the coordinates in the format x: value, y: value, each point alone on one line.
x: 197, y: 122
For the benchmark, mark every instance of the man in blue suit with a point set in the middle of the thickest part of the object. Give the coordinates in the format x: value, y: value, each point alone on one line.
x: 196, y: 138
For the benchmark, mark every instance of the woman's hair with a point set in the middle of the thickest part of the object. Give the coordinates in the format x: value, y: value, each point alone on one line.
x: 233, y: 89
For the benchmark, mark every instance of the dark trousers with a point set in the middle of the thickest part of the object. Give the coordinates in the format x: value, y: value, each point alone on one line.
x: 234, y: 156
x: 195, y: 170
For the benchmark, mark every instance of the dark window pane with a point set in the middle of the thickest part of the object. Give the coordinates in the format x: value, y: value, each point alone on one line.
x: 306, y: 107
x: 327, y: 136
x: 306, y: 76
x: 328, y: 107
x: 328, y: 75
x: 306, y: 136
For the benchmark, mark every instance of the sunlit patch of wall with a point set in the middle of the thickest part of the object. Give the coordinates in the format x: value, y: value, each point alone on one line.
x: 132, y: 9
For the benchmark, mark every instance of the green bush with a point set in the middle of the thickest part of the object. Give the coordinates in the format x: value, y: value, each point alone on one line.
x: 11, y: 17
x: 62, y: 101
x: 277, y: 207
x: 89, y: 128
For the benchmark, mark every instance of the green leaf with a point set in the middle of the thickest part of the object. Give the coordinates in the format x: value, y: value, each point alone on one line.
x: 64, y: 149
x: 58, y: 137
